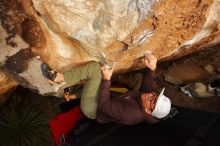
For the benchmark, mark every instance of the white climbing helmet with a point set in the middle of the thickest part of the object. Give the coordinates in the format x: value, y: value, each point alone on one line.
x: 162, y: 107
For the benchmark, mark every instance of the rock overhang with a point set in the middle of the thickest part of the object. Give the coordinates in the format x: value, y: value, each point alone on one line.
x: 70, y: 33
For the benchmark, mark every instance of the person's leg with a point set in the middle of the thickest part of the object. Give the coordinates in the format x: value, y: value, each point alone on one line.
x: 89, y: 98
x: 90, y: 72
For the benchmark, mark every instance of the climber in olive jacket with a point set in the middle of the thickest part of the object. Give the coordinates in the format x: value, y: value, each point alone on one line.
x: 132, y: 107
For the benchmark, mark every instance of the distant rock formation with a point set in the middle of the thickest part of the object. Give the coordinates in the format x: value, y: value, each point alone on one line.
x: 65, y: 34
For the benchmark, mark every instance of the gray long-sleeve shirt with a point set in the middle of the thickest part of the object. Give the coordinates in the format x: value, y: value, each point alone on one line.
x: 125, y: 108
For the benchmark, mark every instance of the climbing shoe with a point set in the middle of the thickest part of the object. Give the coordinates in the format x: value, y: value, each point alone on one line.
x: 72, y: 89
x: 48, y: 72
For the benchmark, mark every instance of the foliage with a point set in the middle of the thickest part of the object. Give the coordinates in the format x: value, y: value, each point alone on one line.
x: 24, y: 122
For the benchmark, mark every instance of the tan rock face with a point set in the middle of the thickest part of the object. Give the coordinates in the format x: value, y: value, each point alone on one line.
x: 7, y: 85
x: 69, y: 33
x: 95, y: 23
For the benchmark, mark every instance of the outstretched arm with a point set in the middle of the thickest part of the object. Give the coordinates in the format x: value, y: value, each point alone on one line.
x: 105, y: 87
x: 149, y: 73
x: 114, y: 109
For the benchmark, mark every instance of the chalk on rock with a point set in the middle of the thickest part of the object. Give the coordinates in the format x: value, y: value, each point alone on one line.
x: 209, y: 68
x: 148, y: 53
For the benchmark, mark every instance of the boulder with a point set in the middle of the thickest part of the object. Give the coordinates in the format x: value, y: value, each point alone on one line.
x: 65, y: 34
x: 7, y: 86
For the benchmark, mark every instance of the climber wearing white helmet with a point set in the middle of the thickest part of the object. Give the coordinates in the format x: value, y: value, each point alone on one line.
x: 133, y: 107
x: 98, y: 102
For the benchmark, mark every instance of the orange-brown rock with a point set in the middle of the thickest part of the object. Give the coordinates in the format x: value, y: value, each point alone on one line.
x: 7, y: 85
x: 68, y: 33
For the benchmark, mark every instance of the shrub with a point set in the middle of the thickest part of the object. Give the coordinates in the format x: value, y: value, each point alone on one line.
x: 24, y: 122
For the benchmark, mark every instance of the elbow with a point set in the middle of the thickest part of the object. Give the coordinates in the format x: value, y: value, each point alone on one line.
x: 99, y: 118
x: 100, y: 121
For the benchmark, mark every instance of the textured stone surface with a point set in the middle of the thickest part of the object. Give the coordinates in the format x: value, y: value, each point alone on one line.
x: 7, y: 85
x: 68, y: 33
x: 95, y: 23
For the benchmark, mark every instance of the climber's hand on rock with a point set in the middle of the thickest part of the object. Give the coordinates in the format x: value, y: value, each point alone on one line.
x: 69, y: 96
x: 151, y: 62
x: 51, y: 82
x: 107, y: 73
